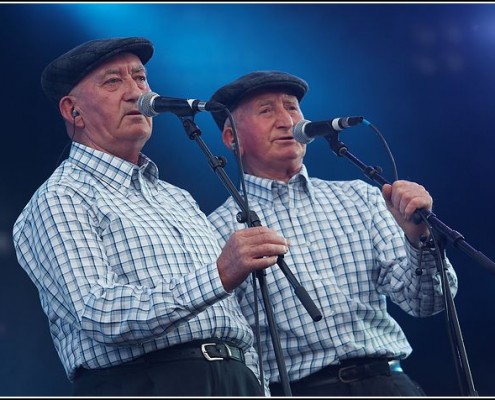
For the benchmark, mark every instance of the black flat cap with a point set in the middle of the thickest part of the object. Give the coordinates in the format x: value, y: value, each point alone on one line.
x: 232, y: 93
x: 66, y: 71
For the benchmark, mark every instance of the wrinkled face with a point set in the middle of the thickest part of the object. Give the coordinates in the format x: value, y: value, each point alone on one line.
x: 264, y: 124
x: 106, y: 100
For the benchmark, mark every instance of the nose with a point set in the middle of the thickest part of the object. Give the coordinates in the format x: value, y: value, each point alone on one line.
x: 285, y: 119
x: 133, y: 90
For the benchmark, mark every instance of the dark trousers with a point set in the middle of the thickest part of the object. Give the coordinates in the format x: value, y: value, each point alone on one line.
x: 376, y: 381
x: 376, y: 386
x: 189, y: 377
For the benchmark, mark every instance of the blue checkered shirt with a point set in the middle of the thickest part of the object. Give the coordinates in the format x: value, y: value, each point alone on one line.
x: 349, y: 254
x: 124, y: 262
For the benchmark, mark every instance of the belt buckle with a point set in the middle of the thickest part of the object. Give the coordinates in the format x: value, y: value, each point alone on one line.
x: 210, y: 358
x: 343, y: 380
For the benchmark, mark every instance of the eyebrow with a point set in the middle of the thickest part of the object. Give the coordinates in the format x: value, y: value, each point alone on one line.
x: 268, y: 101
x: 138, y: 69
x: 134, y: 70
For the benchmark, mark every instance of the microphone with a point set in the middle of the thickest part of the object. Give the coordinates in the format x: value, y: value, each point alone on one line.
x: 151, y: 104
x: 305, y: 131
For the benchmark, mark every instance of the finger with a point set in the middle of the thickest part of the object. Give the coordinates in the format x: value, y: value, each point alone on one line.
x: 419, y: 202
x: 269, y: 250
x: 264, y: 262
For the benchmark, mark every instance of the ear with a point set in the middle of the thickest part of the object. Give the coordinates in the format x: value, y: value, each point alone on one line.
x: 228, y: 137
x: 67, y: 107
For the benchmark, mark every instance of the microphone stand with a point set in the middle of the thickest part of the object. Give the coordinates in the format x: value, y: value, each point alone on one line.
x: 246, y: 215
x: 440, y: 233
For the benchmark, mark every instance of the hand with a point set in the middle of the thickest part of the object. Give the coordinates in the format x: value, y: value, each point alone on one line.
x: 403, y: 198
x: 249, y: 250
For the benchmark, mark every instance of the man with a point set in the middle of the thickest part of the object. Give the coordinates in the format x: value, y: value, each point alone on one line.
x: 351, y: 247
x: 136, y: 289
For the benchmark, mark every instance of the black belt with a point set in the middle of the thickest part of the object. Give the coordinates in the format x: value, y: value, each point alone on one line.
x: 352, y: 370
x: 211, y: 350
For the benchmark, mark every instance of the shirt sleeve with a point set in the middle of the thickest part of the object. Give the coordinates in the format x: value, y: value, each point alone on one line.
x: 60, y: 247
x: 410, y: 277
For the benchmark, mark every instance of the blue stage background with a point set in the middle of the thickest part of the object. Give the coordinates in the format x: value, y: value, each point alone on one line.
x: 423, y: 74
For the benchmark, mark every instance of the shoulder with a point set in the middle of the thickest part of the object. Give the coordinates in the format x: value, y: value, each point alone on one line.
x: 225, y: 215
x: 352, y: 188
x: 68, y: 186
x: 179, y: 194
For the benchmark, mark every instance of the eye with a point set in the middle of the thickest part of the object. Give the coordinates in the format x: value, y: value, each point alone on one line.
x: 141, y: 81
x: 112, y: 81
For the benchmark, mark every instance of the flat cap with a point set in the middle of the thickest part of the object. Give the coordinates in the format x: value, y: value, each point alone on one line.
x: 232, y: 93
x: 66, y: 71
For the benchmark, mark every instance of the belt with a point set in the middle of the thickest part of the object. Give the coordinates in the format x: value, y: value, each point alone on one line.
x: 210, y: 350
x: 352, y: 370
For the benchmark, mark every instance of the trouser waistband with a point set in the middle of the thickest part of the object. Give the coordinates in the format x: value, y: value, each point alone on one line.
x: 210, y: 350
x: 351, y: 370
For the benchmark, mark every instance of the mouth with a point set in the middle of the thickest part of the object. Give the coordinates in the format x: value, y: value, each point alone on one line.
x: 134, y: 113
x: 285, y: 139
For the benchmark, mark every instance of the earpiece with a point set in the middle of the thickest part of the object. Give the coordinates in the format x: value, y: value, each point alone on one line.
x: 232, y: 146
x: 75, y: 113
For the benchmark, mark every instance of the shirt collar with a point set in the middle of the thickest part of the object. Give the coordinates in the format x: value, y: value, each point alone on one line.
x: 110, y: 169
x: 262, y: 188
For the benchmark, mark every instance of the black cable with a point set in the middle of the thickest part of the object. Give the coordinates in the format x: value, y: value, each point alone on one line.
x: 387, y: 149
x: 68, y: 144
x: 240, y: 172
x: 237, y: 154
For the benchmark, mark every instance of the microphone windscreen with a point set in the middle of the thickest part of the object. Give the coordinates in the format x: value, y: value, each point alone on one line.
x: 145, y: 104
x: 299, y: 134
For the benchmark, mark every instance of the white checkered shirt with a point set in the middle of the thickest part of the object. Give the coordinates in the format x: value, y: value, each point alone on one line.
x: 124, y: 263
x: 349, y: 254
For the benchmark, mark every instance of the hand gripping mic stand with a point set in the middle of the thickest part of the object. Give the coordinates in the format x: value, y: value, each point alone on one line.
x: 246, y: 215
x: 440, y: 233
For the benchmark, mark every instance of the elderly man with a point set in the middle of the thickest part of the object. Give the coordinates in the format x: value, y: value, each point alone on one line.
x: 136, y: 289
x: 351, y: 247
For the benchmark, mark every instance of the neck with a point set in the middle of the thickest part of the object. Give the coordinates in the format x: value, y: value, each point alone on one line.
x: 275, y: 174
